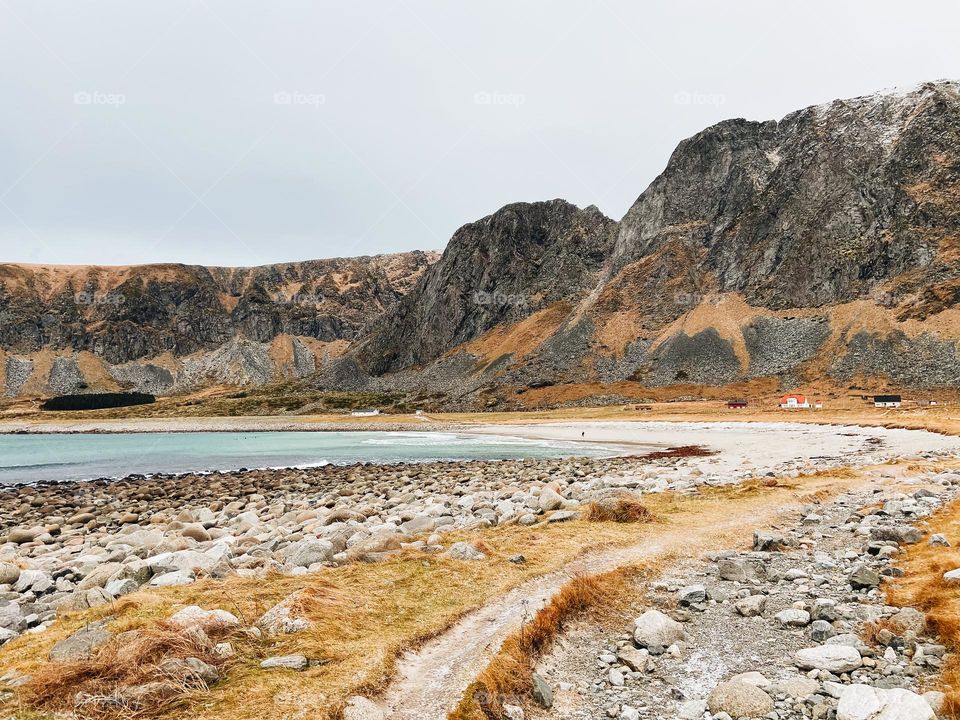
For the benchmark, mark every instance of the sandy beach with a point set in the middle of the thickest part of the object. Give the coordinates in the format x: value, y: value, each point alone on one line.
x: 753, y: 446
x: 741, y: 447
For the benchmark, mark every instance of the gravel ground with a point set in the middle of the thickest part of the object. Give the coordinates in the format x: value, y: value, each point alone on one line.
x: 815, y: 581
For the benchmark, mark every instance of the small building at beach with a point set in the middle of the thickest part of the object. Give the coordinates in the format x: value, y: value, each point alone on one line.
x: 887, y: 401
x: 794, y: 402
x: 365, y: 412
x: 736, y: 404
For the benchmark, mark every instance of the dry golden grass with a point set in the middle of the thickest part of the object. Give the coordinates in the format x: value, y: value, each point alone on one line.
x: 923, y: 587
x: 133, y: 658
x: 520, y: 339
x: 508, y: 675
x: 618, y: 510
x: 365, y: 615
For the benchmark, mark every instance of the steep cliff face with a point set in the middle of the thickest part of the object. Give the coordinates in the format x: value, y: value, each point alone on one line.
x: 822, y: 246
x: 159, y: 326
x: 524, y: 257
x: 819, y: 208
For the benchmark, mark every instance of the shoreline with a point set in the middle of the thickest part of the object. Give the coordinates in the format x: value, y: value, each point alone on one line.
x: 479, y: 446
x: 303, y: 467
x: 737, y: 448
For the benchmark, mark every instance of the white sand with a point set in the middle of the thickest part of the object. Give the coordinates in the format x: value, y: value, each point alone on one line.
x: 758, y: 446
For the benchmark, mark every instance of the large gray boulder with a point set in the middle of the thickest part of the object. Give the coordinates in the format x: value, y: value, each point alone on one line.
x: 190, y: 671
x: 21, y: 535
x: 903, y: 534
x: 751, y: 606
x: 739, y: 699
x: 9, y: 573
x: 464, y: 551
x: 99, y: 576
x: 832, y: 658
x: 737, y: 570
x: 864, y: 578
x: 29, y: 578
x: 182, y: 561
x: 173, y: 579
x: 83, y: 644
x: 764, y: 541
x: 863, y: 702
x: 656, y: 629
x: 308, y: 551
x: 11, y: 618
x: 285, y: 617
x: 549, y: 499
x: 285, y: 662
x: 542, y: 692
x: 419, y: 524
x: 195, y: 615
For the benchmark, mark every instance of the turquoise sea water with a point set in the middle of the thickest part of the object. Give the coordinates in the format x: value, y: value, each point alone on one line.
x: 32, y: 458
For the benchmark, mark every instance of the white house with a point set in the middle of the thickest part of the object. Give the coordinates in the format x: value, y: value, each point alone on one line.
x: 365, y: 412
x: 887, y: 400
x: 794, y: 402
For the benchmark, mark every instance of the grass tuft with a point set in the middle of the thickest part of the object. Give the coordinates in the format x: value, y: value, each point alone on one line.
x: 508, y: 677
x: 129, y: 660
x: 620, y: 510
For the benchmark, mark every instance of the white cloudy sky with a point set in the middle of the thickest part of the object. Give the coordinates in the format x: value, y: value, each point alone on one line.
x: 235, y: 132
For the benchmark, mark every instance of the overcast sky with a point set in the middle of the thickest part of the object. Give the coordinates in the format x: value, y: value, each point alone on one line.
x: 233, y: 132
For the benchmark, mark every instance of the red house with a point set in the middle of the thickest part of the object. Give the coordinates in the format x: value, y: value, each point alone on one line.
x: 736, y: 404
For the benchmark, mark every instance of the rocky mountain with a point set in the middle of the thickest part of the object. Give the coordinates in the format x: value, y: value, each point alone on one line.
x: 166, y: 327
x: 821, y: 250
x: 498, y: 270
x: 823, y: 246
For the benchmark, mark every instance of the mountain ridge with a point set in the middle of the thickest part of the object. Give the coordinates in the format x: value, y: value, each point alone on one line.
x: 166, y: 327
x: 824, y: 246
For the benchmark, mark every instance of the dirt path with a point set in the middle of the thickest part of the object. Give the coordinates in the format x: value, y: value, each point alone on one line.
x: 430, y: 682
